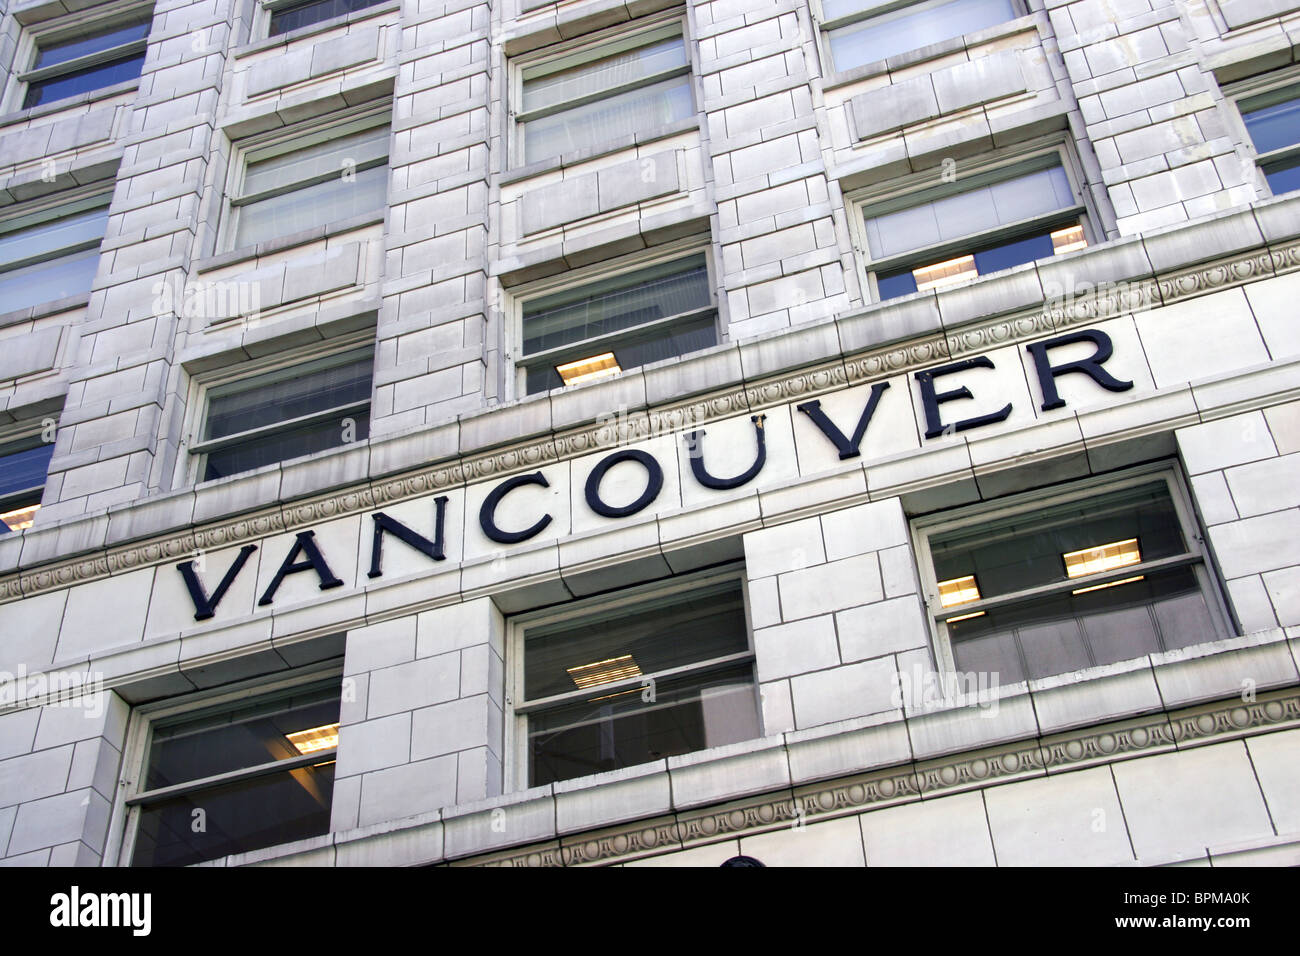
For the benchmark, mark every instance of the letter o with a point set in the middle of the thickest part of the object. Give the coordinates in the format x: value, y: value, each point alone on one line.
x: 654, y: 483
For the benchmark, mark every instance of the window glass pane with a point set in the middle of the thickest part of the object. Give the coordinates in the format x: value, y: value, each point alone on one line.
x: 282, y: 21
x: 285, y: 445
x: 646, y: 638
x: 910, y: 28
x: 238, y: 817
x: 83, y: 81
x: 630, y: 66
x: 1274, y: 127
x: 618, y: 303
x: 266, y: 400
x: 1067, y: 632
x: 670, y: 341
x: 331, y: 157
x: 1030, y: 549
x: 331, y: 201
x: 239, y: 737
x: 621, y: 115
x: 689, y: 714
x: 54, y: 235
x: 1283, y: 177
x: 47, y: 281
x: 970, y: 212
x: 53, y: 53
x: 23, y: 468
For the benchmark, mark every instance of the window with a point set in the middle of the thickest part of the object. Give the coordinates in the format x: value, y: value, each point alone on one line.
x: 285, y: 413
x: 297, y: 182
x: 862, y: 31
x: 1273, y: 122
x: 291, y: 16
x: 976, y: 225
x: 68, y: 63
x: 52, y: 252
x: 23, y: 466
x: 598, y: 329
x: 633, y: 680
x: 238, y: 775
x: 603, y: 93
x: 1104, y: 572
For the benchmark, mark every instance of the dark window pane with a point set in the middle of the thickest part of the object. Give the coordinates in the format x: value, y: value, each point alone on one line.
x: 238, y: 817
x: 282, y: 446
x: 285, y: 20
x: 894, y: 284
x: 53, y: 53
x: 1284, y: 177
x: 1274, y: 126
x: 24, y: 466
x: 1014, y: 253
x: 83, y: 81
x: 237, y: 738
x: 686, y: 715
x: 260, y: 402
x: 664, y: 343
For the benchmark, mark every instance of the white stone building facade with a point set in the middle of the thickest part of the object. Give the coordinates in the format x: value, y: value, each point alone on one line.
x: 893, y: 322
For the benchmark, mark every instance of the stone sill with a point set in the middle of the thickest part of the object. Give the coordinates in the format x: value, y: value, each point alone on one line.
x: 782, y: 765
x: 40, y: 311
x: 579, y: 156
x: 281, y: 243
x: 312, y: 29
x: 81, y: 99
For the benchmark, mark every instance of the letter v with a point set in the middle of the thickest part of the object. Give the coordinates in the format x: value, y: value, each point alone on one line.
x: 848, y: 448
x: 204, y: 607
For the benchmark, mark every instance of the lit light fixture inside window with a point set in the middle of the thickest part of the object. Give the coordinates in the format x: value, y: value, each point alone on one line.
x: 325, y: 737
x: 1104, y: 557
x: 19, y: 518
x: 1108, y: 584
x: 604, y: 672
x: 944, y: 273
x: 589, y: 369
x: 1068, y: 239
x: 958, y: 591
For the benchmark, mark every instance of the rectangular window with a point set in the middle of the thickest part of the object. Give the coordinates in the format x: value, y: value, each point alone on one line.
x: 68, y: 64
x: 51, y: 253
x: 636, y: 680
x: 1048, y: 585
x: 23, y: 467
x: 256, y: 772
x: 286, y: 413
x: 861, y: 31
x: 977, y: 225
x: 608, y: 92
x: 292, y: 16
x: 301, y: 182
x: 1273, y: 122
x: 600, y: 328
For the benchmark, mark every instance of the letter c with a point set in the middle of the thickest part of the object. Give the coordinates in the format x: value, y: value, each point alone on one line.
x: 487, y: 513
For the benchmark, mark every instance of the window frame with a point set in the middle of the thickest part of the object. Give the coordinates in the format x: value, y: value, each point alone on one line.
x: 587, y: 49
x: 1197, y: 555
x: 905, y: 193
x: 590, y: 275
x: 15, y: 442
x: 1244, y: 97
x: 825, y: 26
x: 267, y: 9
x: 286, y: 140
x: 73, y: 27
x: 517, y: 769
x: 135, y: 755
x: 277, y: 367
x: 51, y: 209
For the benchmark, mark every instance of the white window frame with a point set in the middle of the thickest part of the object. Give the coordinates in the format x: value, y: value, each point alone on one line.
x: 576, y: 278
x: 516, y: 771
x: 51, y: 209
x: 71, y: 27
x: 288, y: 140
x: 585, y: 50
x: 1243, y: 96
x: 904, y: 193
x: 194, y: 463
x: 135, y: 755
x: 869, y: 11
x: 1196, y: 555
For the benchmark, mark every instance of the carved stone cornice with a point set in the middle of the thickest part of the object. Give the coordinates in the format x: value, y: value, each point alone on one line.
x: 1107, y: 300
x: 1074, y: 750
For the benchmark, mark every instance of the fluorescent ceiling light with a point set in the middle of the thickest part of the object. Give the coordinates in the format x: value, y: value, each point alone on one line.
x: 604, y: 672
x: 589, y: 369
x: 20, y: 518
x: 1068, y: 239
x: 1108, y: 584
x: 1104, y: 557
x: 325, y: 737
x: 944, y: 273
x: 958, y: 591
